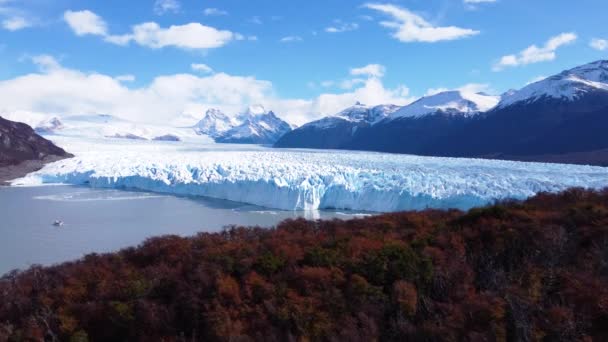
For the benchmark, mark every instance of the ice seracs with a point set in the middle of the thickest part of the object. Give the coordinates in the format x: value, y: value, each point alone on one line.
x: 569, y: 85
x: 308, y: 180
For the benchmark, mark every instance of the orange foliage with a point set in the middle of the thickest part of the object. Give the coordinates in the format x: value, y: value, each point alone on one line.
x: 517, y: 271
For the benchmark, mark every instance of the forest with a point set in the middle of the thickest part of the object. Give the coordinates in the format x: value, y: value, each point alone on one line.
x: 514, y: 271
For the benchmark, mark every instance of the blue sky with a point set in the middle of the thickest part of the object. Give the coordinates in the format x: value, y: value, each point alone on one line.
x: 303, y: 58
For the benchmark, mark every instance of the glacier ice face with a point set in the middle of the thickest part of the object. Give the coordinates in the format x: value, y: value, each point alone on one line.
x: 305, y: 179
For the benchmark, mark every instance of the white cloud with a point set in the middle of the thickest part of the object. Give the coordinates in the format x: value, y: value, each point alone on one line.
x: 62, y: 91
x: 86, y: 22
x: 125, y: 78
x: 535, y: 54
x: 410, y: 27
x: 371, y: 70
x: 16, y: 23
x: 599, y: 44
x: 200, y: 67
x: 188, y: 36
x: 46, y: 63
x: 470, y: 88
x: 351, y: 83
x: 340, y: 27
x: 163, y: 6
x: 291, y: 39
x: 152, y: 35
x: 214, y: 12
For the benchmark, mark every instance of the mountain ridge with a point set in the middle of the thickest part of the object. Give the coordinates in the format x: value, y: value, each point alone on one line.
x: 563, y: 115
x: 253, y: 126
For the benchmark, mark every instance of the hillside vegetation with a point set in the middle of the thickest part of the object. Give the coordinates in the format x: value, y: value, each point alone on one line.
x: 514, y: 271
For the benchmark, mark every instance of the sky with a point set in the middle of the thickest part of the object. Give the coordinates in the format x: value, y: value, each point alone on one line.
x: 159, y: 60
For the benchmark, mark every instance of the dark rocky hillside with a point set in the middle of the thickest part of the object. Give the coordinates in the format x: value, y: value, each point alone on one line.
x: 22, y: 150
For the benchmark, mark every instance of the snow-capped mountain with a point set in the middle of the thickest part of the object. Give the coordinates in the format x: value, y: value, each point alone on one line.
x: 569, y: 85
x: 362, y: 113
x: 255, y: 125
x: 49, y: 126
x: 337, y: 130
x: 561, y: 118
x: 215, y: 123
x: 450, y: 102
x: 379, y: 127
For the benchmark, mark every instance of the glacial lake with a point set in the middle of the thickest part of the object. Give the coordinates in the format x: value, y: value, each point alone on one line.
x: 100, y: 220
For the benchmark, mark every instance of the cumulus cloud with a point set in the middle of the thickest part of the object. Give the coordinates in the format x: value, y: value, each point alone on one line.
x: 61, y: 91
x: 188, y: 36
x: 85, y: 22
x: 214, y: 12
x: 599, y: 44
x: 535, y: 54
x: 409, y: 27
x: 163, y: 6
x: 151, y: 34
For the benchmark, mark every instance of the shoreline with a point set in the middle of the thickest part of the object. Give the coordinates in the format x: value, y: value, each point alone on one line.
x: 12, y: 172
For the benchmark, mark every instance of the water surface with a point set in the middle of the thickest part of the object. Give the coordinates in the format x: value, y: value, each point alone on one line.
x: 98, y: 220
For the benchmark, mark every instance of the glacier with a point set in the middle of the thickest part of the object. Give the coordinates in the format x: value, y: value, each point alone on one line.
x: 306, y: 179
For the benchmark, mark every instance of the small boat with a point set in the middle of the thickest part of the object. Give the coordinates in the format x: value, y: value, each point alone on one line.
x: 58, y: 223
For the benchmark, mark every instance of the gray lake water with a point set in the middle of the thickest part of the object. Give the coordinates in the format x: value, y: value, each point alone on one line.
x: 99, y: 221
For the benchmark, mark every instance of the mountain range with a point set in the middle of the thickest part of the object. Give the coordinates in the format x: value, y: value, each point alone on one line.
x: 253, y: 126
x: 563, y: 118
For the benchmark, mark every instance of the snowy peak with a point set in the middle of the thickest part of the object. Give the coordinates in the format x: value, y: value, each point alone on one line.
x: 49, y: 126
x: 214, y: 123
x: 595, y: 72
x: 254, y: 126
x: 362, y: 113
x: 569, y: 85
x: 255, y: 110
x: 450, y: 102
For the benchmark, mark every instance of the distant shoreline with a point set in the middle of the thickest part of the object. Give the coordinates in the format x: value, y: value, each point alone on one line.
x: 11, y: 172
